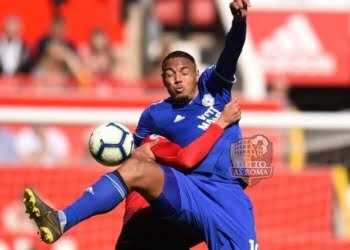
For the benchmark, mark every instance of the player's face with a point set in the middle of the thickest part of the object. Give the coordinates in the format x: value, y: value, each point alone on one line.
x: 180, y: 77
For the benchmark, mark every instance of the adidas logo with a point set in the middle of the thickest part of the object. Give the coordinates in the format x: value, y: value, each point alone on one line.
x: 179, y: 118
x: 295, y: 48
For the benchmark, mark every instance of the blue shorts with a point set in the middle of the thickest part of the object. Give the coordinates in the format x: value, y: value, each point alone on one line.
x: 216, y: 207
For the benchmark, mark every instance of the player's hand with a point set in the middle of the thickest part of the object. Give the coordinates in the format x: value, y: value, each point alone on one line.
x: 231, y: 114
x: 144, y: 152
x: 239, y: 8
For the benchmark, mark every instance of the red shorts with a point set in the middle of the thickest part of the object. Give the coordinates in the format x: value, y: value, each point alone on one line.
x: 134, y: 202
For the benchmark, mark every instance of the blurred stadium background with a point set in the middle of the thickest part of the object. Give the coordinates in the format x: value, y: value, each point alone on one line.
x: 294, y: 87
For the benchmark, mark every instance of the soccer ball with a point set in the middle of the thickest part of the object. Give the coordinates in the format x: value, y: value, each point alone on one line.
x: 111, y: 143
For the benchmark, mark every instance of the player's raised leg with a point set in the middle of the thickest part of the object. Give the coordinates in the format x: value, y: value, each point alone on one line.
x: 140, y: 173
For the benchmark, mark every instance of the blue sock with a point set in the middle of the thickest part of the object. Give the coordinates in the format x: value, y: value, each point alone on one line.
x: 101, y: 197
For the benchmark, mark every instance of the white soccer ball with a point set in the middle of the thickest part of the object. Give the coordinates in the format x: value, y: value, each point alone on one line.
x: 111, y: 143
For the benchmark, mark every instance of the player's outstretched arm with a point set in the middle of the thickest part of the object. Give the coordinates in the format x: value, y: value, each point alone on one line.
x: 235, y: 38
x: 188, y: 157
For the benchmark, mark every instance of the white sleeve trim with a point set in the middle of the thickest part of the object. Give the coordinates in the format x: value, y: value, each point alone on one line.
x: 223, y: 78
x: 141, y: 137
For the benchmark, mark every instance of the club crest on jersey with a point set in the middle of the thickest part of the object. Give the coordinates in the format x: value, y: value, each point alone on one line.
x: 208, y: 100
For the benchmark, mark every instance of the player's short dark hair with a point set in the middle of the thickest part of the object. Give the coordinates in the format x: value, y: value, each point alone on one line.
x: 178, y: 53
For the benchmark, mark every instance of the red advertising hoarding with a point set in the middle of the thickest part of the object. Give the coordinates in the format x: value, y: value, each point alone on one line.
x: 308, y: 47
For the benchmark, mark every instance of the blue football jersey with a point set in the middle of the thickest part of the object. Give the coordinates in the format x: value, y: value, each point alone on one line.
x: 182, y: 125
x: 216, y: 205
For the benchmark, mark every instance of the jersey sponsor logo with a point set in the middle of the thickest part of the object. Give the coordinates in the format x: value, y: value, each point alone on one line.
x: 208, y: 100
x: 251, y: 159
x: 295, y: 48
x: 178, y: 118
x: 208, y: 117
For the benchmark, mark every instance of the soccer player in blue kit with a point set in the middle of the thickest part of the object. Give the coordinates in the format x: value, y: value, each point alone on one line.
x: 206, y: 198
